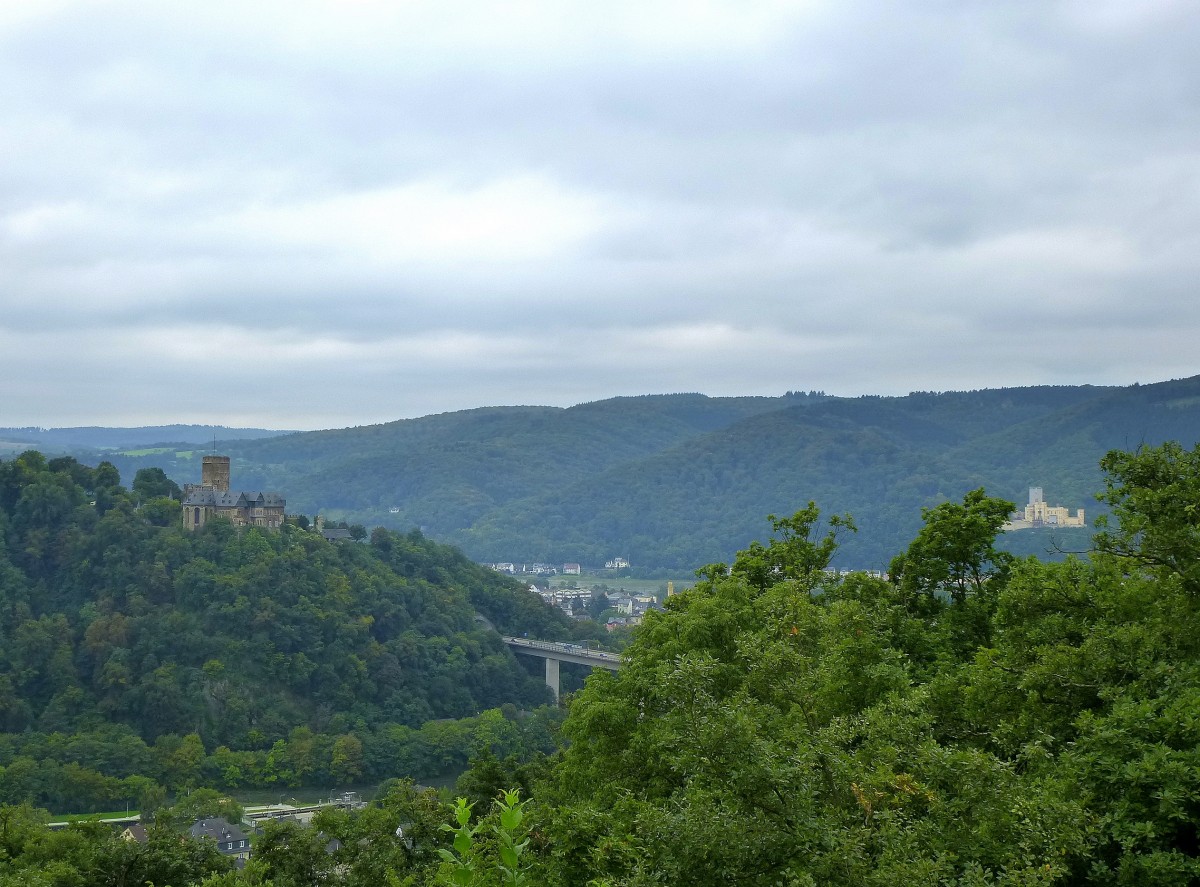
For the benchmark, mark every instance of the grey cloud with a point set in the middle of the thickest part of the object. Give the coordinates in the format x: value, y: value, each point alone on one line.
x: 1007, y: 192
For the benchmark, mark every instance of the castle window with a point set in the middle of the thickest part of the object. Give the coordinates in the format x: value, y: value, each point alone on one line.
x: 196, y: 517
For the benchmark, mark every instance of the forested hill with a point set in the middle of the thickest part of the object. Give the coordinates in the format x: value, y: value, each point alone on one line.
x: 117, y: 628
x: 669, y: 481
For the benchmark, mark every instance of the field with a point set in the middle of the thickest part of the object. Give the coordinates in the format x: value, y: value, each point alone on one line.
x: 157, y: 451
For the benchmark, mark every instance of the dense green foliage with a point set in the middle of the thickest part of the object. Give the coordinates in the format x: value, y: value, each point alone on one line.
x: 93, y: 854
x: 975, y: 720
x: 135, y: 655
x: 674, y: 481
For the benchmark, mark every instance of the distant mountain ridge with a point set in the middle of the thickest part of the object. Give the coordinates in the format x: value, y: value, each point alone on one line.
x: 101, y: 438
x: 676, y: 481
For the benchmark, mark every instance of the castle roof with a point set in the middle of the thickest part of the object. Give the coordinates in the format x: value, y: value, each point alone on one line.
x: 242, y: 499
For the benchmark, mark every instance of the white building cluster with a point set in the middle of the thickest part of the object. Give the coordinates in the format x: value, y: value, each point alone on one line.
x: 572, y: 601
x: 572, y: 569
x: 525, y: 569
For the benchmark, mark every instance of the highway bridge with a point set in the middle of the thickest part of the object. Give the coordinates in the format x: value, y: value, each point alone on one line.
x: 554, y: 653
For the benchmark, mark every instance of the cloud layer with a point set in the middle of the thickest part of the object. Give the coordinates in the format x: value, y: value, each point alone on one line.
x: 311, y: 214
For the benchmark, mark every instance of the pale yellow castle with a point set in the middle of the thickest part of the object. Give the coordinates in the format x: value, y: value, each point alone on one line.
x: 1038, y: 514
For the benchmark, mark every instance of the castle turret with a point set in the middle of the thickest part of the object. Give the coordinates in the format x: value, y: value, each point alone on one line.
x: 214, y: 472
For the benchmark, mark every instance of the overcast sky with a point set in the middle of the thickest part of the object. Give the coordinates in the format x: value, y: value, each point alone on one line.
x: 317, y: 214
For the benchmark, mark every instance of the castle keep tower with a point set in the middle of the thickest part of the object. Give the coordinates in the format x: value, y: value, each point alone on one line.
x: 214, y: 472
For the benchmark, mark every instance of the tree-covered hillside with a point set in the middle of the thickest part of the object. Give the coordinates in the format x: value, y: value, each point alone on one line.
x: 121, y: 636
x: 974, y: 720
x: 880, y: 459
x: 668, y: 481
x: 443, y: 471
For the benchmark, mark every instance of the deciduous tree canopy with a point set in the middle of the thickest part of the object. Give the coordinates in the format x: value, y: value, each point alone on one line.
x: 133, y: 653
x: 973, y: 721
x: 970, y: 721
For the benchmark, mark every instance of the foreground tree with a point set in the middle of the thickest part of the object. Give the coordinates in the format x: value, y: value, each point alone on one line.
x: 794, y: 553
x: 1155, y: 497
x: 772, y: 727
x: 955, y: 551
x: 92, y: 853
x: 976, y: 721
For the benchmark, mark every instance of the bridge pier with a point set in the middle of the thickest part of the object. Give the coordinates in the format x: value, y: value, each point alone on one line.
x: 552, y: 676
x: 555, y: 652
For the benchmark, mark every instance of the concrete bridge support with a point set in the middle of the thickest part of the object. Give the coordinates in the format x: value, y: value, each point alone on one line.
x: 555, y: 653
x: 552, y: 676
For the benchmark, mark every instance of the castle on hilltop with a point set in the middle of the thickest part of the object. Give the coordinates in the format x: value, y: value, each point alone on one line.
x: 1038, y: 514
x: 212, y: 498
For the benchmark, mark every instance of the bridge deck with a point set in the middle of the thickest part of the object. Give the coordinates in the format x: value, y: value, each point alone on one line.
x: 566, y: 652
